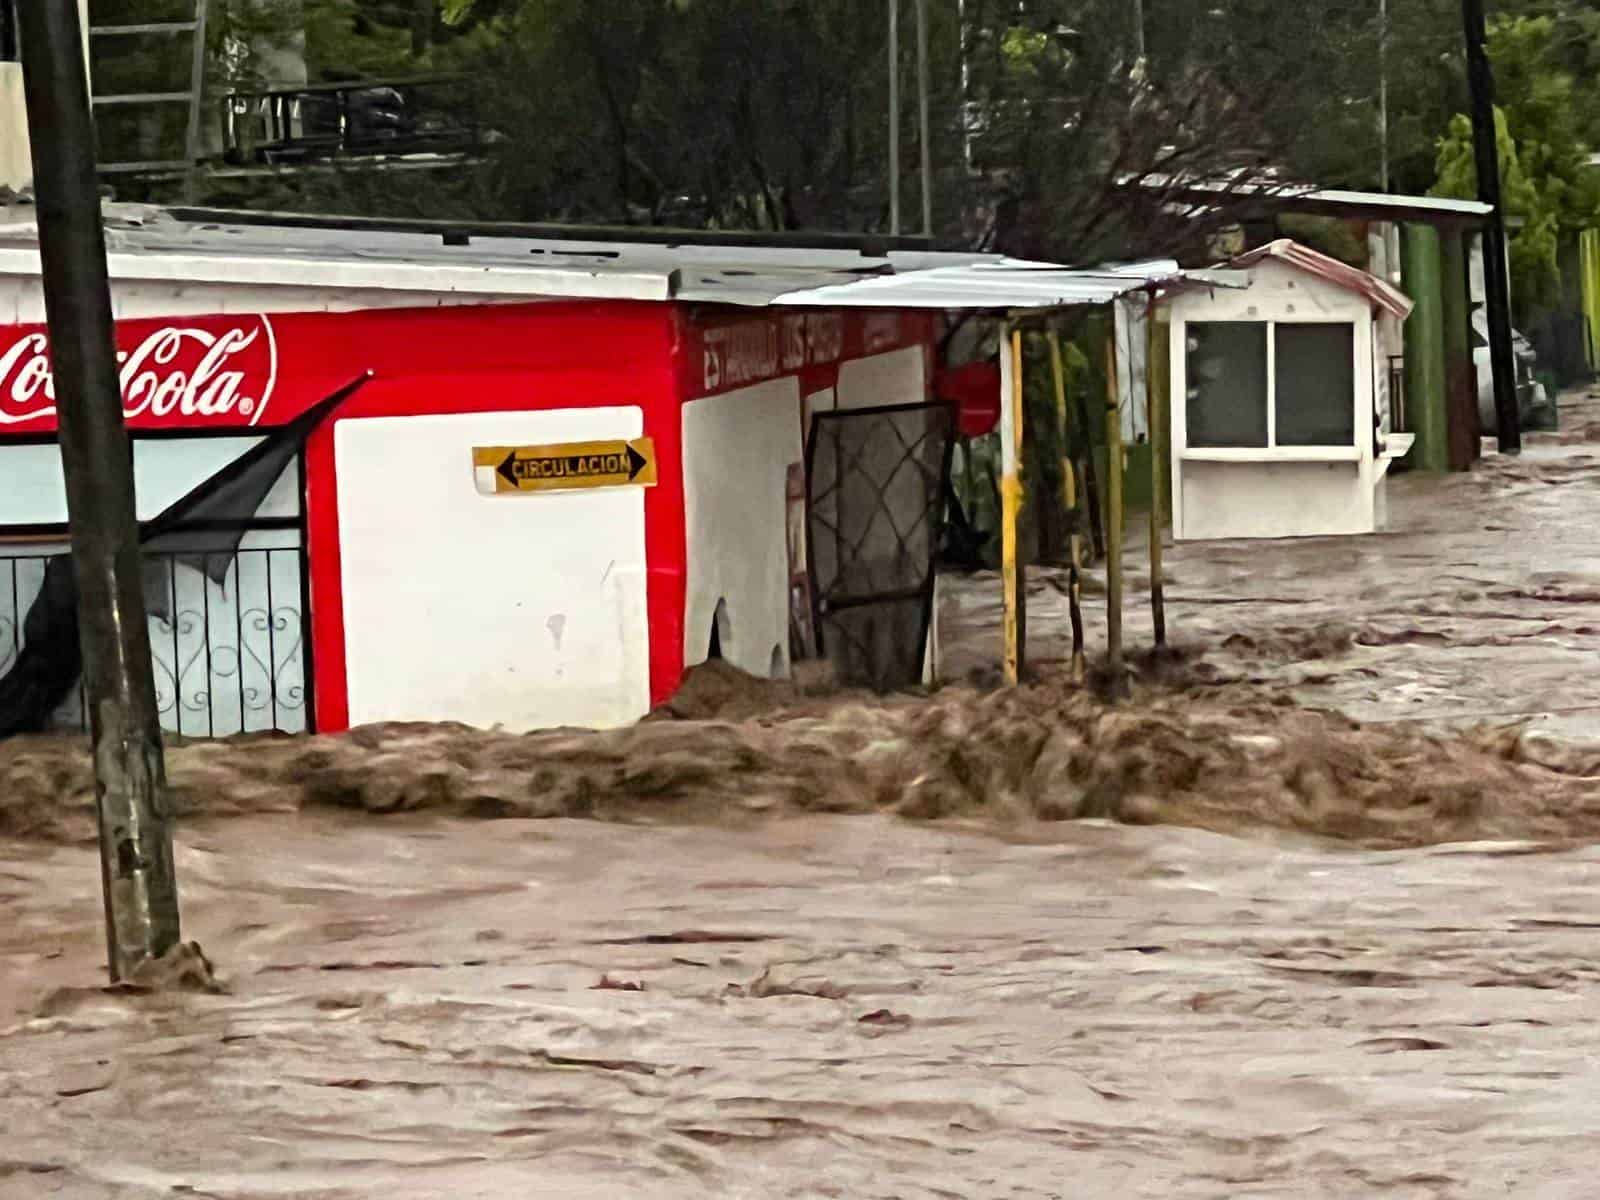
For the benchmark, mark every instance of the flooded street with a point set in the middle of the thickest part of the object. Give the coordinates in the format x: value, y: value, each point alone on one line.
x: 1481, y: 602
x: 854, y: 948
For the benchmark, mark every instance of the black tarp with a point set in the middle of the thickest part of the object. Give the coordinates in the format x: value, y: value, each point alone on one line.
x: 49, y: 662
x: 203, y: 529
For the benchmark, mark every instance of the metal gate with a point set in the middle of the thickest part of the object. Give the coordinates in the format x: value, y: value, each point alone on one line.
x: 875, y: 485
x: 229, y: 657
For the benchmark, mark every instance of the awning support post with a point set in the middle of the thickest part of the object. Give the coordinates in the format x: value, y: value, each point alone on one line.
x: 1156, y: 419
x: 1069, y: 486
x: 1011, y: 570
x: 1114, y: 529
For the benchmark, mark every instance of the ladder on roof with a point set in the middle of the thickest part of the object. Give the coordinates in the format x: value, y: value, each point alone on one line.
x: 188, y: 167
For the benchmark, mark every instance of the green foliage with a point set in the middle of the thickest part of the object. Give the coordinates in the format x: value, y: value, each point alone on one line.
x: 769, y: 114
x: 1548, y: 189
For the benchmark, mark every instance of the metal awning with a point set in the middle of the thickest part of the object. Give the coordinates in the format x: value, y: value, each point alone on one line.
x: 183, y: 247
x: 1009, y: 284
x: 1269, y: 198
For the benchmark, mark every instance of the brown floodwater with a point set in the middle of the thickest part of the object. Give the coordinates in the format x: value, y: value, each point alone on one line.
x: 1222, y: 941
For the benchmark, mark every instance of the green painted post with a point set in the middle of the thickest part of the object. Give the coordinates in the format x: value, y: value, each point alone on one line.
x: 1461, y: 376
x: 1589, y: 250
x: 1426, y: 389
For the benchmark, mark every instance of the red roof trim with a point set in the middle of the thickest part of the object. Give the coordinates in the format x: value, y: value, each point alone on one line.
x: 1383, y: 295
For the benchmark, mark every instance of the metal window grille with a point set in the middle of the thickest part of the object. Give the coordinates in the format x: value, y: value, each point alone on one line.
x: 229, y: 657
x: 1397, y: 394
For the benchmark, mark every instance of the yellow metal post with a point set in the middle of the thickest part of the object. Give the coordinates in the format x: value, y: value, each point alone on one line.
x: 1011, y: 434
x: 1156, y: 418
x: 1113, y: 512
x: 1069, y: 487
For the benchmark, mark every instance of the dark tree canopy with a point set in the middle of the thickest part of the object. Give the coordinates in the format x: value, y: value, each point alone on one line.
x: 773, y: 114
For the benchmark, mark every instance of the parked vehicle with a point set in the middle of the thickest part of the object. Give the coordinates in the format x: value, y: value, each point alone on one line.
x: 1530, y: 392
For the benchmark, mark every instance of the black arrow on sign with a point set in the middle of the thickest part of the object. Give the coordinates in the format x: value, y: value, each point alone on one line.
x: 636, y: 463
x: 507, y: 469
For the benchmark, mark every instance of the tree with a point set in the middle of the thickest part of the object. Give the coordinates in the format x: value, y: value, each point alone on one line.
x: 770, y: 114
x: 1546, y: 179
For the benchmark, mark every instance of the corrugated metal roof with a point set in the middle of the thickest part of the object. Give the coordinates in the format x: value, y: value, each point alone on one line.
x: 1415, y: 204
x: 1303, y: 258
x: 1008, y: 284
x: 1315, y: 200
x: 146, y: 243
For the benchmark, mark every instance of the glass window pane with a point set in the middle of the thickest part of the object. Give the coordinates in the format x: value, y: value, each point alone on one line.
x: 1227, y: 367
x: 1315, y: 374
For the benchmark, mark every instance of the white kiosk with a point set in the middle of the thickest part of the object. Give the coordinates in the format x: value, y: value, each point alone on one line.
x: 1280, y: 400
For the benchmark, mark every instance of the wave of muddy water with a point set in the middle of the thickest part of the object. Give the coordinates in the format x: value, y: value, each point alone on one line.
x: 982, y: 945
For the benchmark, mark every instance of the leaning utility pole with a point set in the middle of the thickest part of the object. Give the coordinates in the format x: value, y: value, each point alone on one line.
x: 141, y: 895
x: 1496, y: 288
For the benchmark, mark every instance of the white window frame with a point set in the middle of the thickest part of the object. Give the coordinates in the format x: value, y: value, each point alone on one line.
x: 1358, y: 451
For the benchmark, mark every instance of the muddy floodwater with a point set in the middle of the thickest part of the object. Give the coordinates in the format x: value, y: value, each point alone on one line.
x: 1481, y: 602
x: 1221, y: 942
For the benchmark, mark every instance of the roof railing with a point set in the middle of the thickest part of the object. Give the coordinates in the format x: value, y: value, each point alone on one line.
x: 425, y: 115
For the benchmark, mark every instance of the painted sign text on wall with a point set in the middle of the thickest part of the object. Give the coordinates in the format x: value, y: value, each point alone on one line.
x: 752, y: 351
x: 203, y: 369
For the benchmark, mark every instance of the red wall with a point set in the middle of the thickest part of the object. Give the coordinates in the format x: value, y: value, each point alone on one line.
x: 246, y: 373
x: 504, y: 359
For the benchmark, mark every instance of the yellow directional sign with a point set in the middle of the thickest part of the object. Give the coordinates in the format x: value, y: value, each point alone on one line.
x: 564, y: 466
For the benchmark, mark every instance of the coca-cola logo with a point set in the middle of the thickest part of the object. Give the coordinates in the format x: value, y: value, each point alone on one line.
x: 202, y: 373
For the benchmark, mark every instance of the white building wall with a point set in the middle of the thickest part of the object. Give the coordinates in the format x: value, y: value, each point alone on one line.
x: 22, y: 299
x: 16, y: 162
x: 737, y: 449
x: 525, y: 611
x: 1288, y: 491
x: 33, y: 490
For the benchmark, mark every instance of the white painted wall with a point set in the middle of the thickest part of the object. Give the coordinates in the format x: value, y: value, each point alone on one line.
x: 898, y: 377
x: 22, y: 300
x: 33, y: 490
x: 737, y: 449
x: 1288, y: 491
x: 523, y: 611
x: 1273, y: 500
x: 16, y: 163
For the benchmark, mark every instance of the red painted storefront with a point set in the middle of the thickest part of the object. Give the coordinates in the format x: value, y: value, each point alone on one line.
x: 219, y: 375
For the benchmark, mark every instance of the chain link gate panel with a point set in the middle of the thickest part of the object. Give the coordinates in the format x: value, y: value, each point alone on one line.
x: 876, y: 480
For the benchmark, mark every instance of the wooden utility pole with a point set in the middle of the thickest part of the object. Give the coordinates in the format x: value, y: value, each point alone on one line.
x: 1496, y: 288
x: 1069, y: 488
x: 141, y: 896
